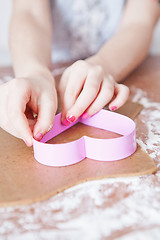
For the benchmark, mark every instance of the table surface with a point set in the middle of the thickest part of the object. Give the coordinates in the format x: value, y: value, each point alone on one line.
x: 121, y: 208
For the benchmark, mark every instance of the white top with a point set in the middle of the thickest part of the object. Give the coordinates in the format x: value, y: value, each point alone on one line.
x: 81, y: 27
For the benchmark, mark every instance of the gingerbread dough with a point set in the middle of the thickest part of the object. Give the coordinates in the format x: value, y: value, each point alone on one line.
x: 23, y: 180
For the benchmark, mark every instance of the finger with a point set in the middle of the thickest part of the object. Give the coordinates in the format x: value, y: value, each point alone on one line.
x: 32, y: 123
x: 31, y: 117
x: 16, y: 121
x: 63, y: 80
x: 71, y: 88
x: 87, y: 96
x: 47, y: 107
x: 104, y: 96
x: 121, y: 96
x: 22, y: 129
x: 17, y: 125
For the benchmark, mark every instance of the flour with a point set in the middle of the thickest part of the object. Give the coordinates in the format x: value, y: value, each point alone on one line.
x: 113, y: 209
x: 74, y: 217
x: 151, y: 111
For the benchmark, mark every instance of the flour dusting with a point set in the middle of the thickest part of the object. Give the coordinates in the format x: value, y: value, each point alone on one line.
x: 87, y: 211
x: 151, y: 112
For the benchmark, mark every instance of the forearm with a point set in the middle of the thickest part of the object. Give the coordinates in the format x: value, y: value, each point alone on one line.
x: 30, y: 43
x: 129, y: 47
x: 125, y: 51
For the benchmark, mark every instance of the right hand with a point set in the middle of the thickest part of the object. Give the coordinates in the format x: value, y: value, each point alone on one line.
x: 20, y: 94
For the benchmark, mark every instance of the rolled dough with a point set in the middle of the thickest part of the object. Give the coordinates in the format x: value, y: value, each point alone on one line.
x: 23, y: 180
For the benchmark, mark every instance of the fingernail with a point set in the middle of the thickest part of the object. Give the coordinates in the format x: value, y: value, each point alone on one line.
x: 28, y: 144
x: 39, y: 136
x: 71, y: 118
x: 66, y: 122
x: 85, y: 115
x: 113, y: 108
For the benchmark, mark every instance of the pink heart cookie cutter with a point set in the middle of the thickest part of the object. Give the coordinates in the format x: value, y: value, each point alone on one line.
x: 65, y: 154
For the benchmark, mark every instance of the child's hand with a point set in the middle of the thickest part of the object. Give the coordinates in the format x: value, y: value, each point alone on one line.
x: 84, y: 89
x: 17, y: 96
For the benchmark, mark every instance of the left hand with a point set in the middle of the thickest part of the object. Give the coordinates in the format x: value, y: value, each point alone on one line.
x: 84, y: 90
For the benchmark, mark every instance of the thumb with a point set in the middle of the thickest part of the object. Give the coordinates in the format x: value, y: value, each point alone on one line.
x: 47, y: 107
x: 19, y: 127
x: 24, y: 131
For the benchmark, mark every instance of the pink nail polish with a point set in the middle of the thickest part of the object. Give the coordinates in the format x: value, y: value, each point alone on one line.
x: 85, y: 115
x: 39, y: 136
x: 71, y: 118
x: 66, y: 122
x: 113, y: 108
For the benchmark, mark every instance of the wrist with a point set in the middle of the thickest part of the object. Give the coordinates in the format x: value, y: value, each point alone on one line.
x: 36, y: 72
x: 94, y: 60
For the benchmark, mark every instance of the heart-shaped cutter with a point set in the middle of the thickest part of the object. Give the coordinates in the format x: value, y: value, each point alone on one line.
x: 65, y: 154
